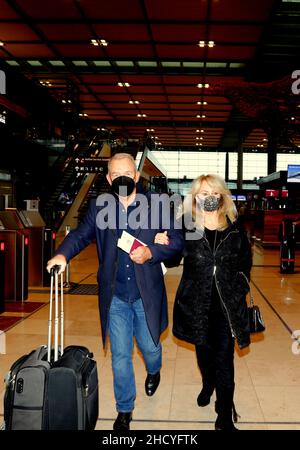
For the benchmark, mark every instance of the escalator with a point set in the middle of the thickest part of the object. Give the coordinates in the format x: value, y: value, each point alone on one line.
x: 66, y: 181
x: 74, y: 189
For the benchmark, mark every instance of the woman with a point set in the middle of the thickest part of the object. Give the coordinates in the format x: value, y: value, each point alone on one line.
x: 210, y: 309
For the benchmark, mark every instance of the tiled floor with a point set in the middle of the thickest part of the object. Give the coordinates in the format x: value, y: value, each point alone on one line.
x: 267, y: 375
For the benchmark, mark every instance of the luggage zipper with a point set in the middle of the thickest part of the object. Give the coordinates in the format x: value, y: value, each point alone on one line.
x: 85, y: 374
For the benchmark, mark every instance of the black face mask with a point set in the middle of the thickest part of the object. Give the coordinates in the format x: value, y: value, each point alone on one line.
x: 123, y: 186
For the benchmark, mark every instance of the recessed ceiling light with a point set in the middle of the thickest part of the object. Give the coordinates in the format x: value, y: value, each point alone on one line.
x: 123, y: 84
x: 208, y: 44
x: 201, y: 85
x: 1, y: 43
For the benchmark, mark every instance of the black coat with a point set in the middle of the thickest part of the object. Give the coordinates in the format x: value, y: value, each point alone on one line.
x: 194, y: 295
x: 149, y: 276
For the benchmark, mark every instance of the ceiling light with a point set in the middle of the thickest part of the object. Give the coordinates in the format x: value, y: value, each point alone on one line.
x: 63, y: 101
x: 85, y: 114
x: 123, y: 84
x: 201, y: 131
x: 201, y: 85
x: 208, y: 44
x: 136, y: 102
x: 197, y: 131
x: 201, y: 103
x: 1, y: 43
x: 97, y: 42
x: 292, y: 118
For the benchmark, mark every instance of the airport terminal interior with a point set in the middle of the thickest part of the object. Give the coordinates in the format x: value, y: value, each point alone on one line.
x: 186, y: 88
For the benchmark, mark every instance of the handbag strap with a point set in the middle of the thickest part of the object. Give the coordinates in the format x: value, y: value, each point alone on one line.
x: 250, y: 291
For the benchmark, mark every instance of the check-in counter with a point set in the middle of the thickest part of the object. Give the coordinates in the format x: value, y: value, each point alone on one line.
x: 2, y: 275
x: 267, y: 224
x: 35, y: 226
x: 16, y: 240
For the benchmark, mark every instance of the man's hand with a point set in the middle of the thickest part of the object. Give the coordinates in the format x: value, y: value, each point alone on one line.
x: 141, y: 254
x: 58, y: 260
x: 161, y: 238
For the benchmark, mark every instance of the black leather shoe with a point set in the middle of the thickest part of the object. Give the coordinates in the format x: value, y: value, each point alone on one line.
x: 151, y: 383
x: 203, y: 398
x: 225, y: 425
x: 122, y: 421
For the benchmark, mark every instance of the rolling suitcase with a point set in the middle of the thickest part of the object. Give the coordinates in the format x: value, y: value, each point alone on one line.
x: 52, y: 389
x: 287, y: 246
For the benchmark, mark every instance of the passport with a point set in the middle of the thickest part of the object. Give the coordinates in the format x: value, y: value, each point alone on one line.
x: 128, y: 243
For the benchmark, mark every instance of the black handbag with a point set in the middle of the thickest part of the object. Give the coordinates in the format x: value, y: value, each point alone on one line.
x: 256, y: 321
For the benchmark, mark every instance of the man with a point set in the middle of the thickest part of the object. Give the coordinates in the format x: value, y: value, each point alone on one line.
x: 132, y: 295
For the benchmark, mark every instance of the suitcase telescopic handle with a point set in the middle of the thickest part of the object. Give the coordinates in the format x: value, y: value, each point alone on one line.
x: 54, y: 281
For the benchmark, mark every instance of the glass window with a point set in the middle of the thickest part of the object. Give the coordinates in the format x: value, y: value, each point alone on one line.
x: 283, y: 159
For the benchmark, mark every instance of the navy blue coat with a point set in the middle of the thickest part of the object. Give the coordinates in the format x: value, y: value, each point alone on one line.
x: 149, y: 275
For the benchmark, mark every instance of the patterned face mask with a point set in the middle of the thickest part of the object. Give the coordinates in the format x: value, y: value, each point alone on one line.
x: 210, y: 203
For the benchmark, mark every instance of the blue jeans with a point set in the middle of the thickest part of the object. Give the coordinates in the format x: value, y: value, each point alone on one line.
x: 126, y: 320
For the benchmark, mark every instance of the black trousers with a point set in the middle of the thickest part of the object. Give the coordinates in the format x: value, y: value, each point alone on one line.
x: 215, y: 360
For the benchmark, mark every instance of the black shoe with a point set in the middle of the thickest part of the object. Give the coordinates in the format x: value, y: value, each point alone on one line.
x: 122, y: 421
x: 151, y: 383
x: 225, y: 424
x: 203, y: 398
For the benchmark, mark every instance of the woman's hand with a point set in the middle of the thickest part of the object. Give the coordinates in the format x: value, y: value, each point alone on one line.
x: 161, y: 238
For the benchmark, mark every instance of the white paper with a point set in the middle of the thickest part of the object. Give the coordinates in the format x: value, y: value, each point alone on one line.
x: 126, y: 241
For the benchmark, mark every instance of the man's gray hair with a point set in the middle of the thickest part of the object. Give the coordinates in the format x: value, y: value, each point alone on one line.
x: 121, y: 156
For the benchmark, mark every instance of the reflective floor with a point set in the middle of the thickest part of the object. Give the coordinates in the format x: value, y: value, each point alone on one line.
x: 267, y: 392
